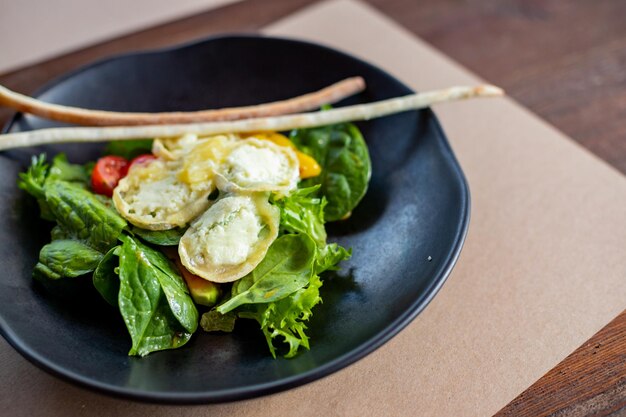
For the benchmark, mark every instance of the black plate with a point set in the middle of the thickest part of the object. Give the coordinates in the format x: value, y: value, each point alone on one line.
x: 406, y: 234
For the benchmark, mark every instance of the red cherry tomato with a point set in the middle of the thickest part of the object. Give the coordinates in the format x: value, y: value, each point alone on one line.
x: 142, y: 159
x: 109, y: 170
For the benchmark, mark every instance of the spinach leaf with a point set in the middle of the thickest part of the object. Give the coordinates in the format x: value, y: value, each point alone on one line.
x: 286, y: 268
x: 67, y: 258
x: 83, y: 216
x: 105, y: 277
x: 285, y: 318
x: 153, y: 299
x: 129, y: 149
x: 212, y: 321
x: 346, y: 166
x: 160, y: 237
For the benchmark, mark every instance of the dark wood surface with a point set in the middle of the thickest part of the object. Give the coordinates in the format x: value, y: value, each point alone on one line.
x: 563, y: 59
x: 589, y: 382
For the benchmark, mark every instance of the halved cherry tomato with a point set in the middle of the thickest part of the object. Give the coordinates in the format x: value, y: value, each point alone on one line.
x: 109, y: 170
x: 144, y: 159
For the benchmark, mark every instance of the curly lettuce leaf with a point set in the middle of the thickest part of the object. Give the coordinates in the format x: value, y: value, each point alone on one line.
x: 329, y: 257
x: 284, y: 320
x: 302, y: 212
x: 32, y: 181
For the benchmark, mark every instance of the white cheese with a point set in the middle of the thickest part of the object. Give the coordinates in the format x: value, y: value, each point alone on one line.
x: 227, y: 233
x: 155, y: 197
x: 230, y: 238
x: 250, y: 164
x: 259, y: 165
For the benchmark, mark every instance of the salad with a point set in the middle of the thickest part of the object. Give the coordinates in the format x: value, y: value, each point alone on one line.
x: 203, y: 230
x: 220, y: 218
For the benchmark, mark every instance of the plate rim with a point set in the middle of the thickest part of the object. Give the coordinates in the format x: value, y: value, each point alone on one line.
x: 282, y: 384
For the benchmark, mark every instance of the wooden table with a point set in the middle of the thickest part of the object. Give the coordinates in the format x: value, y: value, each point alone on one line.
x: 562, y: 59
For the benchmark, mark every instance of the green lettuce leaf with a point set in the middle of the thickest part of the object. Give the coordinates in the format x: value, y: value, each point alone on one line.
x: 302, y: 212
x: 213, y: 321
x: 329, y: 257
x: 285, y: 319
x: 129, y: 149
x: 32, y: 181
x: 58, y: 233
x: 287, y: 267
x: 160, y: 237
x: 153, y: 299
x: 67, y: 258
x: 62, y: 170
x: 346, y: 167
x: 105, y: 277
x: 81, y: 215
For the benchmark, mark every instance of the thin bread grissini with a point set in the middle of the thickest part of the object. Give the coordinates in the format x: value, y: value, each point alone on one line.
x: 75, y: 115
x: 278, y: 123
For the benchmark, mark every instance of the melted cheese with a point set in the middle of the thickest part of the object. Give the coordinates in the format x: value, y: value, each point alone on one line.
x: 183, y: 146
x: 201, y: 161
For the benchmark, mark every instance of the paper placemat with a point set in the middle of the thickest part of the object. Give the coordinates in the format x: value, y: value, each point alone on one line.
x: 542, y: 268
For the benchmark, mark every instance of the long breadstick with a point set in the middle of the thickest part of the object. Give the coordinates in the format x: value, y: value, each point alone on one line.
x: 311, y: 101
x: 279, y: 123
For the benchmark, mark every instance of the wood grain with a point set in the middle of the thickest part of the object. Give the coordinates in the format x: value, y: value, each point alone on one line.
x: 565, y: 60
x: 589, y: 382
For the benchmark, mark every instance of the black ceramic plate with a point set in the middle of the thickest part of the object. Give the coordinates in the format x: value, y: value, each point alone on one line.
x: 405, y: 235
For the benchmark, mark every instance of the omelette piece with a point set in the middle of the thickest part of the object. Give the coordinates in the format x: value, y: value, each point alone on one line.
x: 231, y: 238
